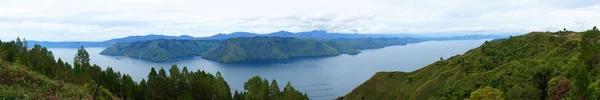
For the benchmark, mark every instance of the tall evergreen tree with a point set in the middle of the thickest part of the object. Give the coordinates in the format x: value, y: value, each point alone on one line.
x: 275, y: 93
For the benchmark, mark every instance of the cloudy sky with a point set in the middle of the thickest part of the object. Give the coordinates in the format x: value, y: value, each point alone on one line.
x: 98, y: 20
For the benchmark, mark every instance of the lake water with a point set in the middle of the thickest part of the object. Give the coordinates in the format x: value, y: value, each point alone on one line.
x: 321, y: 78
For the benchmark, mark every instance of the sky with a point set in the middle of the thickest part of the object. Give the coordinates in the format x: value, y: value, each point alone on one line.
x: 99, y: 20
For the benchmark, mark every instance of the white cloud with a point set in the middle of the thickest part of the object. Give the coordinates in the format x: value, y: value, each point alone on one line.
x: 97, y: 20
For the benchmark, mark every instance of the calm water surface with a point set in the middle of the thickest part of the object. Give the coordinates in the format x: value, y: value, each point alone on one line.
x: 321, y: 78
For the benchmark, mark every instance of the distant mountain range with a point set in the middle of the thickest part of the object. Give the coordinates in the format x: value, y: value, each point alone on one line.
x: 315, y: 34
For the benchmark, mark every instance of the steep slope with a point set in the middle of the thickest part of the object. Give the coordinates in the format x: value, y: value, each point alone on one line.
x: 18, y: 82
x: 161, y: 50
x: 268, y: 48
x: 538, y: 65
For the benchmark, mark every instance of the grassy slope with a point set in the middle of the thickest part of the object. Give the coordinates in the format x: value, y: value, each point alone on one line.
x: 18, y: 82
x: 265, y: 48
x: 518, y: 66
x: 161, y: 50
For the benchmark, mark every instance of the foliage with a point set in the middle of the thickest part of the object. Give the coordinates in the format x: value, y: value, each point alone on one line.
x: 487, y: 93
x: 162, y: 49
x: 538, y: 65
x: 259, y: 89
x: 268, y: 48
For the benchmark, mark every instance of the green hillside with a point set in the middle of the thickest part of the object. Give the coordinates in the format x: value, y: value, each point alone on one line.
x: 268, y: 48
x: 19, y: 82
x: 538, y: 65
x: 161, y: 50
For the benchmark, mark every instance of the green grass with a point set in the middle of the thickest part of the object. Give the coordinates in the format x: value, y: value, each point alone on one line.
x: 18, y: 82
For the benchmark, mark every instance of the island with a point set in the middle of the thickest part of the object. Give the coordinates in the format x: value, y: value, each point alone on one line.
x: 162, y: 49
x: 249, y: 48
x: 269, y: 48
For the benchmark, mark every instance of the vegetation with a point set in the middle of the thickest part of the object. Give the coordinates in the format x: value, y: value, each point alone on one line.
x: 247, y: 49
x: 281, y: 48
x: 487, y: 93
x: 259, y: 89
x: 268, y: 48
x: 162, y: 49
x: 538, y: 65
x: 33, y: 73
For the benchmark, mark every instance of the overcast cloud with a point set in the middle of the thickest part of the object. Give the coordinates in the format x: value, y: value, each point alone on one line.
x: 98, y: 20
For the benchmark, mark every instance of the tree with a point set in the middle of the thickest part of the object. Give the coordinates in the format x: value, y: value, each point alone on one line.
x: 173, y: 83
x: 82, y: 57
x: 141, y: 91
x: 237, y: 96
x: 161, y: 87
x: 152, y: 84
x: 558, y: 88
x: 222, y: 90
x: 258, y: 89
x: 487, y: 93
x: 275, y: 93
x: 127, y: 87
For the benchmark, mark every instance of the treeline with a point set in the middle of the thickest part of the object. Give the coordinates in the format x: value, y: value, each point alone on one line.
x: 108, y: 84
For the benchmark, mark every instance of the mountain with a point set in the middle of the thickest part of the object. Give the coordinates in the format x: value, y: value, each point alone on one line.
x: 538, y: 65
x: 221, y: 36
x: 315, y: 34
x: 162, y: 49
x: 107, y: 43
x: 268, y: 48
x: 71, y: 44
x: 148, y: 37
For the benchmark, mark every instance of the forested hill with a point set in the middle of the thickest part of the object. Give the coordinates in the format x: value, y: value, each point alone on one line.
x: 162, y: 49
x: 538, y: 65
x: 33, y: 74
x: 268, y: 48
x: 284, y: 48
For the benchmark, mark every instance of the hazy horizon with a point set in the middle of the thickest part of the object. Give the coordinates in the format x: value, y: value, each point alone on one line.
x: 66, y: 20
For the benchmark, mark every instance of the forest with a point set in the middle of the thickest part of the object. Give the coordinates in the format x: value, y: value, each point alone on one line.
x: 538, y: 65
x: 268, y: 48
x: 161, y: 49
x: 33, y: 73
x: 249, y: 48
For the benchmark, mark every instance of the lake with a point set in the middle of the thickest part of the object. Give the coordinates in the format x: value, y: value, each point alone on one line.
x: 321, y: 78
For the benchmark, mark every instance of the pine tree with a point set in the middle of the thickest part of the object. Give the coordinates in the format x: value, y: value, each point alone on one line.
x: 237, y: 96
x: 274, y: 93
x: 152, y: 84
x: 222, y: 88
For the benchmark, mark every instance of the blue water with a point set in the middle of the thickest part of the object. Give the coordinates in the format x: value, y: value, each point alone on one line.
x: 322, y: 78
